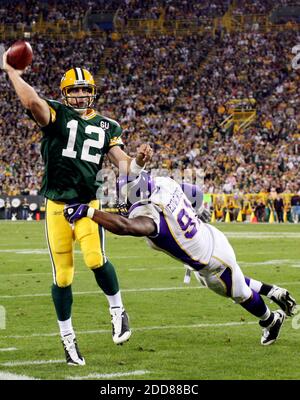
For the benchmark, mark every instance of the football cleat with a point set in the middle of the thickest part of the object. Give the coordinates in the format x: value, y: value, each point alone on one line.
x: 283, y: 299
x: 271, y: 331
x: 120, y: 325
x: 73, y: 356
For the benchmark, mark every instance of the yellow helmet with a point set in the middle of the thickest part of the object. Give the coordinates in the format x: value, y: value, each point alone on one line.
x: 74, y: 78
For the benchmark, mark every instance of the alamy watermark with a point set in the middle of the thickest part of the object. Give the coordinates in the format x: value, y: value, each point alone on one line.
x: 296, y: 59
x: 108, y: 192
x: 296, y: 318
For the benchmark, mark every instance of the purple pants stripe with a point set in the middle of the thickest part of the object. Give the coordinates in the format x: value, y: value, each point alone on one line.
x: 255, y: 305
x: 227, y: 279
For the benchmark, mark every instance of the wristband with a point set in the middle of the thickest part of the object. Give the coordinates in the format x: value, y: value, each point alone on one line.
x: 135, y: 168
x: 90, y: 212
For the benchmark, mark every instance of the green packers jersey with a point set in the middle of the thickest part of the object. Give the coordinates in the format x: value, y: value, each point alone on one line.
x: 73, y: 148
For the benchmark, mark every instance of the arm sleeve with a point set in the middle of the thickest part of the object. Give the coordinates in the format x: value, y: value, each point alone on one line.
x: 193, y: 193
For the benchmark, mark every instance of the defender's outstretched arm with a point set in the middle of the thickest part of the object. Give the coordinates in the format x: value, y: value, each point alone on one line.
x: 139, y: 226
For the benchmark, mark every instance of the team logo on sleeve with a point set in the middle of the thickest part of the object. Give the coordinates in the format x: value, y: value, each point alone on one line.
x: 115, y: 141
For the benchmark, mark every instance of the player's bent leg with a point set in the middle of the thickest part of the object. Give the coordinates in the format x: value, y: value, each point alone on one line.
x: 59, y: 236
x: 224, y: 268
x: 279, y: 295
x: 91, y: 238
x: 107, y: 280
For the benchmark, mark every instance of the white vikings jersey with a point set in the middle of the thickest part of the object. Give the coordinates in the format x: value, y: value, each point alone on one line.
x: 178, y: 230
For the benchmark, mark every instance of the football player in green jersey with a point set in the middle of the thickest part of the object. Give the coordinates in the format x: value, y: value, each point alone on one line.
x: 75, y: 140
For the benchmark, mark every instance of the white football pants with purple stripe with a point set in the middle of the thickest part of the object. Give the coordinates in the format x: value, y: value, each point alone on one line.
x: 223, y: 274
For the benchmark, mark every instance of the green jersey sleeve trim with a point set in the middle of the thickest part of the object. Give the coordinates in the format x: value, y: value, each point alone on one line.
x: 115, y: 141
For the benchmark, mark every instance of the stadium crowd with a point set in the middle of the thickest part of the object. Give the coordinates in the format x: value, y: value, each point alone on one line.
x: 172, y: 92
x: 27, y: 11
x: 244, y: 7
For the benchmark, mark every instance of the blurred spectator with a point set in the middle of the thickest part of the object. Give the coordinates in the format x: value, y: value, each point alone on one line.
x: 295, y: 207
x: 7, y: 210
x: 278, y: 207
x: 260, y: 211
x: 24, y: 209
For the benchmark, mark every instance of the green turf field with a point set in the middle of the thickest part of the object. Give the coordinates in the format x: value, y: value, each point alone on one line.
x: 179, y: 331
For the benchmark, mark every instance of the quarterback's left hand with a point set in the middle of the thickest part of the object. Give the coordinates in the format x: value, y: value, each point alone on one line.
x: 73, y: 212
x: 144, y: 154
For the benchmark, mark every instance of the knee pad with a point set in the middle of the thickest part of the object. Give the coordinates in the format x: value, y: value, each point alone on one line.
x: 216, y: 284
x: 63, y: 268
x: 242, y: 294
x: 88, y: 235
x: 64, y: 278
x: 93, y: 259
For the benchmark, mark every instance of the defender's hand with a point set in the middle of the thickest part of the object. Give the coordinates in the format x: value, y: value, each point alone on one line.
x: 73, y: 212
x: 144, y: 154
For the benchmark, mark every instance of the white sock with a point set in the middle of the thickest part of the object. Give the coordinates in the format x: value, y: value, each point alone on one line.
x: 115, y: 300
x: 65, y: 327
x: 266, y: 315
x: 255, y: 285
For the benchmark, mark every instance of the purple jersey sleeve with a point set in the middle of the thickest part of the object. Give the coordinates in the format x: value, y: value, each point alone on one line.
x: 193, y: 193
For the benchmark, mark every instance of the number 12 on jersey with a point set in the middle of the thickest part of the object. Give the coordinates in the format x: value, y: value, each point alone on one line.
x: 87, y: 144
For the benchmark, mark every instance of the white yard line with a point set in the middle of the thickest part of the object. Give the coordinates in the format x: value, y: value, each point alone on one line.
x: 9, y: 349
x: 92, y: 292
x: 287, y: 262
x: 7, y: 376
x: 139, y: 290
x: 46, y: 252
x: 29, y: 362
x: 141, y: 329
x: 108, y: 376
x: 262, y: 237
x: 268, y: 262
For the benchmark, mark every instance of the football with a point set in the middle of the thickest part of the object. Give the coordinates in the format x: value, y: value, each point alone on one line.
x: 19, y: 55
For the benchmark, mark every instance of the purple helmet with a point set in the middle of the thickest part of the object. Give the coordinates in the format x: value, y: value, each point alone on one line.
x: 131, y: 189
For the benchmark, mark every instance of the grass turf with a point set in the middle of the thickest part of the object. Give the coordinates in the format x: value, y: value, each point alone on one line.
x: 179, y: 331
